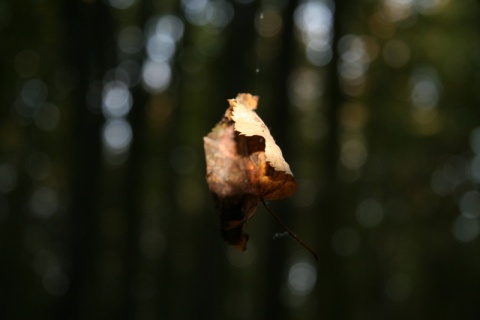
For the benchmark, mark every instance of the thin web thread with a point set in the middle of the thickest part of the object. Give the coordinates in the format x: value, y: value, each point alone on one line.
x: 257, y: 64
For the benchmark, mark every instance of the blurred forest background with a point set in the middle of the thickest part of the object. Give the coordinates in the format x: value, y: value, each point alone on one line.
x: 104, y: 208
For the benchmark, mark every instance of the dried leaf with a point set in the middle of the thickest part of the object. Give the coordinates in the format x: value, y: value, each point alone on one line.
x: 244, y: 165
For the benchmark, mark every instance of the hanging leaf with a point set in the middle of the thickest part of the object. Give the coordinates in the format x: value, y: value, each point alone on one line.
x: 244, y: 166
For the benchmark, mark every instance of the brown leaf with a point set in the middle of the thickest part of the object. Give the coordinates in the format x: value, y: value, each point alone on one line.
x: 244, y: 165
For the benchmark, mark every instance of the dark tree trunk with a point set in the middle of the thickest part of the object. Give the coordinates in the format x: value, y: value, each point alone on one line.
x: 88, y: 39
x: 329, y: 273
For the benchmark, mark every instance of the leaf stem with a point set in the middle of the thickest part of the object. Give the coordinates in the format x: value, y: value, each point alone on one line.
x: 290, y: 232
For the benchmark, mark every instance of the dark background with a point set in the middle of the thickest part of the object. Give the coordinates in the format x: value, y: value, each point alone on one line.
x: 104, y: 209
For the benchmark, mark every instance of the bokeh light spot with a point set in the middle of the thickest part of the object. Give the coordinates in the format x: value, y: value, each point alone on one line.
x: 429, y: 7
x: 33, y: 95
x: 160, y: 47
x: 369, y: 213
x: 44, y: 202
x: 47, y: 117
x: 318, y: 56
x: 55, y: 281
x: 475, y: 168
x: 116, y: 100
x: 354, y: 62
x: 465, y: 229
x: 302, y: 277
x: 129, y: 72
x: 130, y: 39
x: 397, y: 10
x: 353, y: 117
x: 470, y: 204
x: 314, y: 20
x: 170, y: 25
x: 425, y: 92
x: 156, y: 76
x: 305, y: 87
x: 475, y: 140
x: 396, y: 53
x: 218, y: 13
x: 447, y: 177
x: 121, y: 4
x: 353, y: 153
x: 313, y: 17
x: 117, y: 135
x: 268, y: 22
